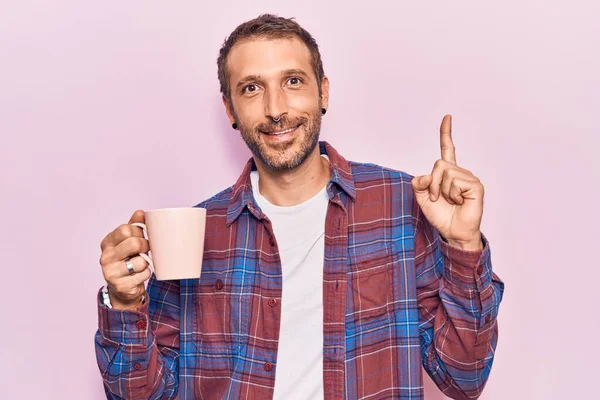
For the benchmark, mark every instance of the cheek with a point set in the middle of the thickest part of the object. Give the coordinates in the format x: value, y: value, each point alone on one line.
x: 303, y: 101
x: 249, y: 114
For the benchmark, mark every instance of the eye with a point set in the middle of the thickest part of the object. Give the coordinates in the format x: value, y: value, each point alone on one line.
x: 294, y: 81
x: 250, y: 88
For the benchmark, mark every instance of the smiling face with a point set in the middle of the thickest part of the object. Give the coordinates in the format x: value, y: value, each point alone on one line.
x: 275, y: 100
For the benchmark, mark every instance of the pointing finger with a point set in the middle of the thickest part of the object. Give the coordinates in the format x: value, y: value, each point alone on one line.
x: 446, y: 143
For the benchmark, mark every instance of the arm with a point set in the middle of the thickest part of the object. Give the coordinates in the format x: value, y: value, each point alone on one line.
x: 138, y: 350
x: 458, y: 298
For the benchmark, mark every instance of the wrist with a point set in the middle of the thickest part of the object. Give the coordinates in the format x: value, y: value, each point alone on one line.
x: 116, y: 303
x: 467, y: 245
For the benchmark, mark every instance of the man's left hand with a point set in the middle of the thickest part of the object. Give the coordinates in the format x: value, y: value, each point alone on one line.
x: 451, y: 197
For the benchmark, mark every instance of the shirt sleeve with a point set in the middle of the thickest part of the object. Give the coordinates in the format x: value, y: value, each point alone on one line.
x: 137, y: 350
x: 458, y: 297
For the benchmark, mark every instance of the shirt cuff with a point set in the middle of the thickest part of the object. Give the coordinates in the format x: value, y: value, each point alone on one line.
x: 127, y: 327
x: 470, y: 270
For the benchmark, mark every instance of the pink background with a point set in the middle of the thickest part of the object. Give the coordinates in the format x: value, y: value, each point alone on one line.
x: 106, y: 107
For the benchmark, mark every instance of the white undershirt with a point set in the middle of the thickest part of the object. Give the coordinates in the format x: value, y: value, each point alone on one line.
x: 300, y: 234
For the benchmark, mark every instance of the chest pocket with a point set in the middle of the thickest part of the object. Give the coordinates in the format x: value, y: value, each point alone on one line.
x: 370, y: 287
x: 216, y: 322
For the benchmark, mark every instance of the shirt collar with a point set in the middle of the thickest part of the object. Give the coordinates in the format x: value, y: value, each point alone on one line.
x: 242, y: 197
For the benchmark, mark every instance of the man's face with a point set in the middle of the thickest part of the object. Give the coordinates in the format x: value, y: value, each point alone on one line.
x: 271, y: 79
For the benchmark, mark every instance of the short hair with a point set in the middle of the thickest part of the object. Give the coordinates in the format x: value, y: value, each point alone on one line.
x: 267, y: 26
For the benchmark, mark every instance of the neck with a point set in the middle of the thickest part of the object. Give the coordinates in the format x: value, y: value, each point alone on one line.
x: 289, y: 188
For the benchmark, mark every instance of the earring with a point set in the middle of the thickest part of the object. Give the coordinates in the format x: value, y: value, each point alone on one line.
x: 323, y: 111
x: 234, y: 125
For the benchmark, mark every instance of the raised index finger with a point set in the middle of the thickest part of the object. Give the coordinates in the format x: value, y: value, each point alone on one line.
x: 446, y: 143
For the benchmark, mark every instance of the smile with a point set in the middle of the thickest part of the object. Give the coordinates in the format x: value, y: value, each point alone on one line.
x: 282, y: 132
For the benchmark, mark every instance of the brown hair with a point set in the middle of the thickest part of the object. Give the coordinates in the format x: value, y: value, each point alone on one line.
x: 267, y: 26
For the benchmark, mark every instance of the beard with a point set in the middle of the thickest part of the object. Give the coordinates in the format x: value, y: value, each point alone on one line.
x: 287, y: 155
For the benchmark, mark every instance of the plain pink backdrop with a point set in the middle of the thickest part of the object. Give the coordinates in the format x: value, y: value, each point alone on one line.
x: 106, y: 107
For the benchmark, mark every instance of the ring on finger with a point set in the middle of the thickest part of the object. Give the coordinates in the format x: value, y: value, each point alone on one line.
x: 129, y: 266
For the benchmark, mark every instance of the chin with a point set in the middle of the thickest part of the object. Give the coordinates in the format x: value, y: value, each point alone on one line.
x: 288, y: 159
x: 285, y: 162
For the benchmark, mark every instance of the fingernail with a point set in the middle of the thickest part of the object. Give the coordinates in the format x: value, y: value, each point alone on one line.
x: 432, y: 197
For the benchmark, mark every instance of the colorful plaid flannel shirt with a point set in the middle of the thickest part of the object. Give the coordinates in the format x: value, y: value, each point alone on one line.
x: 396, y: 296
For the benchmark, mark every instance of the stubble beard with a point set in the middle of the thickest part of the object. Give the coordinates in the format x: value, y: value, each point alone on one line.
x: 276, y: 156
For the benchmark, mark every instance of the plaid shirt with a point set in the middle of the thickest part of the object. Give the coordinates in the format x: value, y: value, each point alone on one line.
x: 395, y: 295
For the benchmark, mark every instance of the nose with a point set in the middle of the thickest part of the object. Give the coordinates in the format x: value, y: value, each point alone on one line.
x: 275, y: 104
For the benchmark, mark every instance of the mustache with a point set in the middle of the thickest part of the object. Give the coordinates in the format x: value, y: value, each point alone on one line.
x: 282, y: 125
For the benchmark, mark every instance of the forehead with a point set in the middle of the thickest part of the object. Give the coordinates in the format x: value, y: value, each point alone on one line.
x: 267, y: 57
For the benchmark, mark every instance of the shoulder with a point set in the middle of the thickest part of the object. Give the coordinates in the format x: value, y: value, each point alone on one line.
x: 383, y: 194
x: 218, y: 201
x: 366, y: 174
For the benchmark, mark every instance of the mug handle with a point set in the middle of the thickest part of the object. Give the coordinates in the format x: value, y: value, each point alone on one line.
x: 144, y: 255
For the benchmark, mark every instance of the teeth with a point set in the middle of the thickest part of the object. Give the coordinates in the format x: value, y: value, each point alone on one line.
x: 282, y: 132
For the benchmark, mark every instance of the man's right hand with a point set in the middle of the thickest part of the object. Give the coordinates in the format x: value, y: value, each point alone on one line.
x: 125, y: 289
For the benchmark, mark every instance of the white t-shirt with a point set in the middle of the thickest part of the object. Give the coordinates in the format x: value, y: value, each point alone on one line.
x: 300, y: 234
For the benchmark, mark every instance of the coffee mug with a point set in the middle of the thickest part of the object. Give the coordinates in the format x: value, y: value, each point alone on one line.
x: 176, y: 237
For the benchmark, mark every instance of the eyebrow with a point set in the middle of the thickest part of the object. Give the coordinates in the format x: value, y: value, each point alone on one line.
x: 251, y: 78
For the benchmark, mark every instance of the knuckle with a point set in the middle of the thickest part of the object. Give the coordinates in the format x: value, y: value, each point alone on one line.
x: 105, y: 257
x: 448, y: 146
x: 124, y: 230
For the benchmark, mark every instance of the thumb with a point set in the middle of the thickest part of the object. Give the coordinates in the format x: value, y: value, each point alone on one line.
x: 421, y: 183
x: 138, y: 216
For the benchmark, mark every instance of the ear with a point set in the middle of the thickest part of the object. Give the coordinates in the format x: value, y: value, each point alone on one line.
x: 228, y: 109
x: 325, y: 92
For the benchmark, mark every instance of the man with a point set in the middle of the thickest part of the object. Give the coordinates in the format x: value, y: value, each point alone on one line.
x: 322, y: 278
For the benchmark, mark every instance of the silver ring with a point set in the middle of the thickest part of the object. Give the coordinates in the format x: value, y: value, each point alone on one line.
x: 277, y: 119
x: 129, y: 266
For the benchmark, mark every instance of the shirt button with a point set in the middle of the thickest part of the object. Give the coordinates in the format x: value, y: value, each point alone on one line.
x: 272, y: 241
x: 487, y: 318
x: 137, y: 366
x: 268, y: 367
x: 479, y: 270
x: 272, y: 302
x: 219, y: 284
x: 140, y: 324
